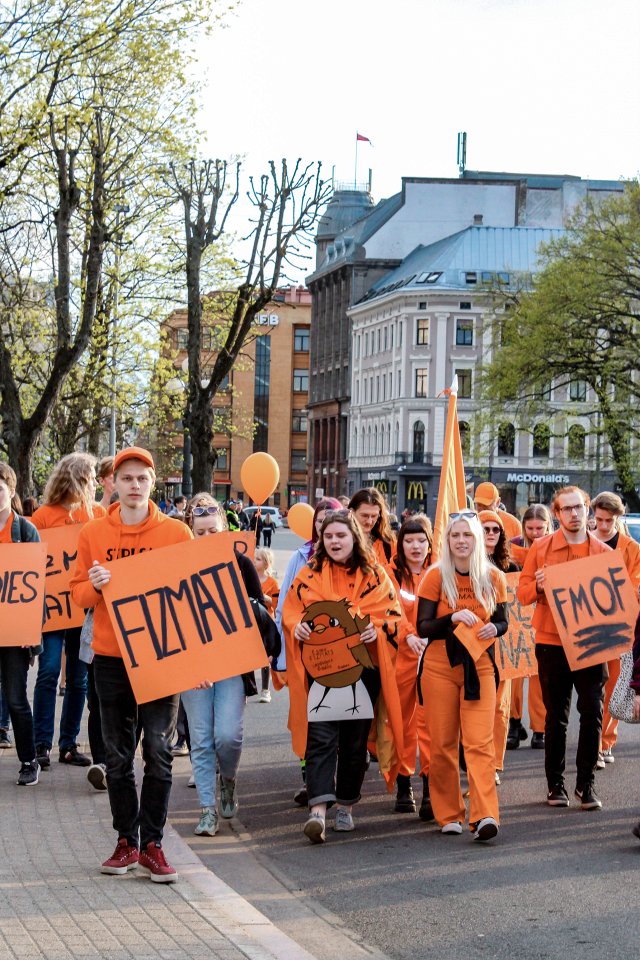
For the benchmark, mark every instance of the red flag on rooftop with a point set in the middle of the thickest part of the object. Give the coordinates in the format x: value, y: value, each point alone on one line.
x: 451, y: 493
x: 360, y: 136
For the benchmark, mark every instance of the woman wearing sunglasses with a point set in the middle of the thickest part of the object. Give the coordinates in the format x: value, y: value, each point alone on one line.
x: 458, y: 694
x: 499, y: 554
x: 215, y: 711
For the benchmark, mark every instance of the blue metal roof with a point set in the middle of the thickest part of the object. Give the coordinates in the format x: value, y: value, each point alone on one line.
x: 489, y: 250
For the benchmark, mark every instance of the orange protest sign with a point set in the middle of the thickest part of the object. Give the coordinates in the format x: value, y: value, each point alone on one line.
x: 22, y: 580
x: 62, y: 547
x: 245, y: 542
x: 181, y: 615
x: 327, y: 659
x: 594, y: 607
x: 515, y: 650
x: 468, y: 637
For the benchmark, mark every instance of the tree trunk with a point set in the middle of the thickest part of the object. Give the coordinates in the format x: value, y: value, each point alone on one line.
x: 199, y: 422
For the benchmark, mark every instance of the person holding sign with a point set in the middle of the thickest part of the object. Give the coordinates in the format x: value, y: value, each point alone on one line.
x: 536, y: 523
x: 570, y: 506
x: 341, y: 620
x: 132, y: 525
x: 409, y: 566
x: 215, y: 711
x: 370, y: 510
x: 461, y: 610
x: 15, y: 661
x: 68, y: 499
x: 608, y: 510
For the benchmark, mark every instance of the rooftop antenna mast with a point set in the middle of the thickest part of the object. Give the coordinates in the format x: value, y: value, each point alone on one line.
x: 462, y: 152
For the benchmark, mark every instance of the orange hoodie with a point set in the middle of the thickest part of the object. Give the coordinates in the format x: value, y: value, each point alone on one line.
x: 55, y: 515
x: 106, y: 540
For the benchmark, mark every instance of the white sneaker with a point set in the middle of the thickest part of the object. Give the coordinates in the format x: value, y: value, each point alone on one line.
x: 607, y: 755
x: 344, y: 821
x: 486, y: 829
x: 314, y: 828
x: 265, y: 697
x: 455, y: 827
x: 208, y: 824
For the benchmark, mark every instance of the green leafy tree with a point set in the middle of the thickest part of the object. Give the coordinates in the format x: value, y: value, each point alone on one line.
x: 571, y: 345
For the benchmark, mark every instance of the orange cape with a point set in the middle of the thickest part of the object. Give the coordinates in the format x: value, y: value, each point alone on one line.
x: 372, y: 594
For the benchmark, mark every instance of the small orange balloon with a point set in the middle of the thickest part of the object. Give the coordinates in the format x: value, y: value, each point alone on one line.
x: 300, y: 519
x: 260, y: 475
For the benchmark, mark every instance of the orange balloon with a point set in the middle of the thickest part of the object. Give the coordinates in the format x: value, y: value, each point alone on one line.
x: 260, y: 475
x: 300, y: 519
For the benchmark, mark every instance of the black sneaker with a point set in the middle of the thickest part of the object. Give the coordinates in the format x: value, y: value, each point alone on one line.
x: 516, y: 734
x: 589, y: 800
x: 426, y: 810
x: 28, y: 775
x: 73, y: 757
x: 537, y: 741
x: 558, y: 796
x: 43, y: 756
x: 5, y: 739
x: 405, y: 802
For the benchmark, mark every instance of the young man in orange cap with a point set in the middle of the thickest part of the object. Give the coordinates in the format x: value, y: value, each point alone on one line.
x: 132, y: 525
x: 487, y: 497
x: 608, y: 510
x: 571, y: 542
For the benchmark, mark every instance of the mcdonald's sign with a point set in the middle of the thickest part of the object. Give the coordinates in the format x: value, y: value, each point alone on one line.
x: 382, y: 486
x: 415, y: 490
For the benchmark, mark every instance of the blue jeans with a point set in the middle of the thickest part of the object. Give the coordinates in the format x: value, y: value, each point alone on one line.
x: 14, y: 667
x: 216, y: 719
x: 46, y: 689
x: 121, y: 716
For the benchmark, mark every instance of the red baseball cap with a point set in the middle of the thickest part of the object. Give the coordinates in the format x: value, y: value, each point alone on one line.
x: 134, y: 453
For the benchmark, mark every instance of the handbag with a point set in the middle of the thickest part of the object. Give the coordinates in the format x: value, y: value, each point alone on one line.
x: 623, y: 697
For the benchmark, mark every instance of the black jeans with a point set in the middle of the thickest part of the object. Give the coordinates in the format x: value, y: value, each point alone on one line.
x: 120, y: 714
x: 336, y: 755
x: 14, y: 667
x: 94, y: 723
x: 266, y: 536
x: 557, y: 681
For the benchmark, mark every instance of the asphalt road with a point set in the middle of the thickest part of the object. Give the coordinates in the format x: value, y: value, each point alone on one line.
x: 557, y: 883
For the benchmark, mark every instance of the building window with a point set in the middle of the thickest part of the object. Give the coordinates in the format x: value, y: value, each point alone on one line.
x: 182, y: 338
x: 421, y: 382
x: 301, y: 339
x: 541, y: 440
x: 400, y: 333
x: 261, y: 393
x: 222, y: 459
x: 358, y: 347
x: 464, y: 333
x: 422, y: 331
x: 422, y: 305
x: 470, y: 277
x: 298, y: 461
x: 384, y: 346
x: 354, y: 448
x: 465, y: 305
x: 391, y: 337
x: 465, y: 438
x: 300, y: 381
x: 224, y: 383
x: 464, y: 384
x: 299, y: 423
x: 578, y: 391
x: 418, y: 442
x: 506, y: 440
x: 377, y: 389
x: 577, y: 438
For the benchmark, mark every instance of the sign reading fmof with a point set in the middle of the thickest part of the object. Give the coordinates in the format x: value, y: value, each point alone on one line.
x: 515, y: 650
x: 62, y: 547
x: 22, y: 581
x: 181, y: 615
x: 594, y: 607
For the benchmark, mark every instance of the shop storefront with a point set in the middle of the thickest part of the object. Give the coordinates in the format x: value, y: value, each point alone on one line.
x: 520, y: 488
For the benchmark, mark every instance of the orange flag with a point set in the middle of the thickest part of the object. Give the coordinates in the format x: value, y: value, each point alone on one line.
x: 451, y: 493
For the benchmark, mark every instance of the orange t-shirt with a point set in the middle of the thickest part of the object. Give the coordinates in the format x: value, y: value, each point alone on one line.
x: 431, y: 589
x: 5, y: 533
x: 271, y: 588
x: 578, y: 551
x: 55, y: 515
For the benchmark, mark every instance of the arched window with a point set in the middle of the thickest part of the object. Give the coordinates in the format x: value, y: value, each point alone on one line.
x: 355, y: 442
x: 369, y: 442
x: 418, y: 442
x: 506, y: 440
x: 465, y: 438
x: 388, y: 438
x: 541, y: 440
x: 577, y: 440
x: 397, y: 438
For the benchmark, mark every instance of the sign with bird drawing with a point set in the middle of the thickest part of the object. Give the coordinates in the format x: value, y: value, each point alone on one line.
x: 335, y: 657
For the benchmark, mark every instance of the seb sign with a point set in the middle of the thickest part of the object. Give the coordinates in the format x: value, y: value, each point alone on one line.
x: 267, y: 320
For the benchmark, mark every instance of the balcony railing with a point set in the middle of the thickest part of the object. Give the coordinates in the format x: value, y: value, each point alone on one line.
x: 407, y: 457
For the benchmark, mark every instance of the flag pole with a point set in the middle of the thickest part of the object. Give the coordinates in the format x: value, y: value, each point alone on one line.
x: 355, y: 172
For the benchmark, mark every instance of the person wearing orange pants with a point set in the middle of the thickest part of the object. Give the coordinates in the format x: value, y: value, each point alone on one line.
x: 408, y: 568
x: 457, y: 694
x: 608, y: 510
x: 501, y: 724
x: 536, y: 523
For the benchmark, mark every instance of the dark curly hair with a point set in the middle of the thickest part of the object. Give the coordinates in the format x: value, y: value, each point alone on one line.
x: 418, y: 523
x: 501, y: 556
x: 362, y: 557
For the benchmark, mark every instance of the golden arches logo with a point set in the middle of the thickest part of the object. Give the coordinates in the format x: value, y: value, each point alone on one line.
x: 415, y: 490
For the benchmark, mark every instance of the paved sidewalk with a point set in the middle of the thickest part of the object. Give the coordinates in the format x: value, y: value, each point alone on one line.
x: 54, y: 902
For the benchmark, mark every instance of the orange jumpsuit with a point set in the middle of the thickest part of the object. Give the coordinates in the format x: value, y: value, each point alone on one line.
x: 630, y: 551
x: 537, y: 712
x: 416, y: 734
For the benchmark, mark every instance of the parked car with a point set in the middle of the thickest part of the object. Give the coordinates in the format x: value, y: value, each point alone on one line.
x: 632, y: 521
x: 274, y: 511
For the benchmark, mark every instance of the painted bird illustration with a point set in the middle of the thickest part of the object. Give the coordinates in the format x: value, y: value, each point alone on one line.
x: 334, y: 655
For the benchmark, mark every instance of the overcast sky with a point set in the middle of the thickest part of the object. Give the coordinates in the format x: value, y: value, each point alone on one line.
x: 544, y: 86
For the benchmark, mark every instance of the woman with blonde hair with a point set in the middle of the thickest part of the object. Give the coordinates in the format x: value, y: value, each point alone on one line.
x: 457, y: 691
x: 68, y: 499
